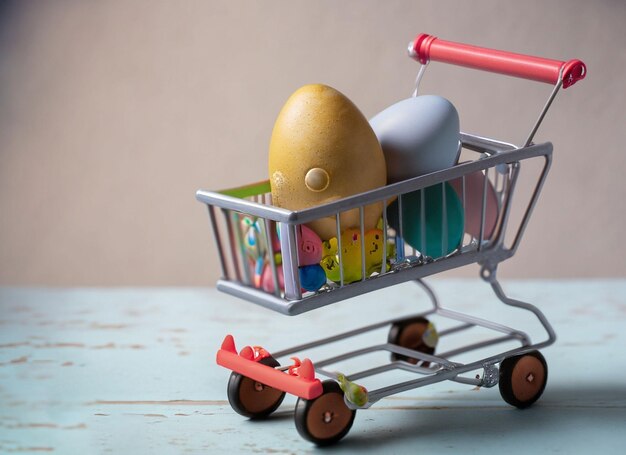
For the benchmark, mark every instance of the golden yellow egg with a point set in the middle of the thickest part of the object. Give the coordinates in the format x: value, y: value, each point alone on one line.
x: 323, y: 149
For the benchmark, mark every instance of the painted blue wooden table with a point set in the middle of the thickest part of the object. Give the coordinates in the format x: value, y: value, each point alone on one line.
x: 133, y: 371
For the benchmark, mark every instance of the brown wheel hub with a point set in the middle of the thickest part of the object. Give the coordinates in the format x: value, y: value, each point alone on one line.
x: 328, y: 416
x: 527, y: 378
x: 409, y: 334
x: 251, y: 398
x: 257, y: 397
x: 326, y: 419
x: 523, y: 378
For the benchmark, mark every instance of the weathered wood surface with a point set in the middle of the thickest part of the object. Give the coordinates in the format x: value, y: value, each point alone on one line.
x: 133, y: 371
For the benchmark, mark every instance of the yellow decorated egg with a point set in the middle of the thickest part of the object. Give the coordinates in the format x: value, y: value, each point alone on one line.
x: 351, y: 255
x: 323, y: 149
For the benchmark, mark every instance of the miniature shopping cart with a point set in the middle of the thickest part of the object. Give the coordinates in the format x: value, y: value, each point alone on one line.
x: 326, y: 407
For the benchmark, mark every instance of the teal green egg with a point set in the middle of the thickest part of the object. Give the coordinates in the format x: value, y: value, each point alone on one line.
x: 436, y: 243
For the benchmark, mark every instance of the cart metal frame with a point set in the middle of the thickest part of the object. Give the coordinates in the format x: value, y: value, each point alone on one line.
x: 503, y: 159
x: 499, y: 163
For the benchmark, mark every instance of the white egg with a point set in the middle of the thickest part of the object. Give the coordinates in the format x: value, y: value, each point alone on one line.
x: 418, y: 135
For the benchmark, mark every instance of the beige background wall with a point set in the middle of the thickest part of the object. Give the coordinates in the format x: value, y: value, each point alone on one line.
x: 113, y: 113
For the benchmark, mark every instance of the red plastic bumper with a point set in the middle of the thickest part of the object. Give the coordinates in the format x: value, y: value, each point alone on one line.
x: 300, y: 381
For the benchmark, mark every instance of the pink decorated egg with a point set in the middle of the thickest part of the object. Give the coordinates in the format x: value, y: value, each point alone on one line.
x: 473, y: 204
x: 309, y: 246
x: 267, y: 279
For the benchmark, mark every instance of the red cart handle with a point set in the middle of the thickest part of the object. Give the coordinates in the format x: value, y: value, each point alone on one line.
x: 428, y: 47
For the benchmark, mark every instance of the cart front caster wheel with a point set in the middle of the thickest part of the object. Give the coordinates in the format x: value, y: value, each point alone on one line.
x: 252, y: 399
x: 409, y: 333
x: 523, y: 379
x: 326, y: 419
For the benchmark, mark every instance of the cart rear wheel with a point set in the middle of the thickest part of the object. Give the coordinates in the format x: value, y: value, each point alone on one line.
x: 326, y: 419
x: 252, y: 399
x: 523, y: 379
x: 409, y: 333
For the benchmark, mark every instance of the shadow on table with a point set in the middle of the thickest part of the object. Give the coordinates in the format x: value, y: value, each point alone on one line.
x: 560, y: 408
x: 585, y: 396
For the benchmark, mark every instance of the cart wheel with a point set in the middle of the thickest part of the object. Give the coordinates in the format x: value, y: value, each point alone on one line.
x: 523, y: 379
x: 326, y: 419
x: 408, y: 333
x: 252, y: 399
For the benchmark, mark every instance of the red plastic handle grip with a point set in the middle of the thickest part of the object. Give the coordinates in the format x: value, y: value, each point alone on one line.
x: 428, y: 47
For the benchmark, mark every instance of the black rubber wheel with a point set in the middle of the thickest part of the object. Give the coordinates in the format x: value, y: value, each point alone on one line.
x: 252, y: 399
x: 325, y: 419
x: 408, y: 333
x: 523, y: 379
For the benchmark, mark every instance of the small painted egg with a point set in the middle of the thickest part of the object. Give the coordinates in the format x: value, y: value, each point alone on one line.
x: 312, y: 277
